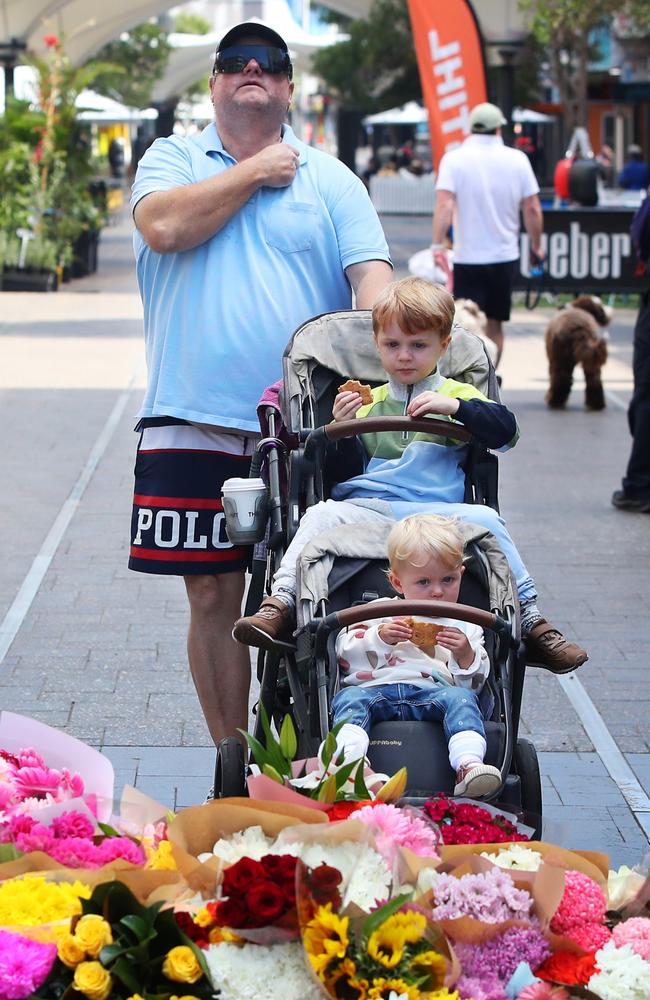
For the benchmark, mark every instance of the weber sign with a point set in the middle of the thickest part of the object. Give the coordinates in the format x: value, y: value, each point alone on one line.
x: 586, y: 250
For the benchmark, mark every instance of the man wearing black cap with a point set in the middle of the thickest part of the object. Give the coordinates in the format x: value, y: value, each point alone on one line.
x: 243, y: 233
x: 481, y: 188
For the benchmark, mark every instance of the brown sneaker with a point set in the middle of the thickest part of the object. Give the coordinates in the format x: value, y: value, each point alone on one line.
x: 476, y: 780
x: 546, y: 647
x: 274, y: 621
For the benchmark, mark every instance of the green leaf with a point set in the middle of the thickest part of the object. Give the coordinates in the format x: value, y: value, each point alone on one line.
x: 360, y: 787
x: 377, y: 917
x: 9, y: 853
x: 329, y: 749
x: 108, y: 830
x: 260, y: 754
x: 344, y: 773
x: 141, y: 928
x: 288, y: 738
x: 273, y: 748
x: 270, y: 772
x: 123, y: 970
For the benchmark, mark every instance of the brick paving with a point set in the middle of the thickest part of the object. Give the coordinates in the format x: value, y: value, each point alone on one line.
x: 101, y: 651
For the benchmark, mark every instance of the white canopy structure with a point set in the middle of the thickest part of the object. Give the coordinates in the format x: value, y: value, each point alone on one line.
x: 410, y: 113
x: 413, y: 113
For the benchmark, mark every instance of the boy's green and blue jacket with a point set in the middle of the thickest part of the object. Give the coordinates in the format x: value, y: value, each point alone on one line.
x: 397, y: 466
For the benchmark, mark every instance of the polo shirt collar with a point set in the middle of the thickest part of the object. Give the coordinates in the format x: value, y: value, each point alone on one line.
x: 210, y: 141
x: 476, y: 139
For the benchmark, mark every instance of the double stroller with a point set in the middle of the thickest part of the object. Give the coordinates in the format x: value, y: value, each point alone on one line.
x: 340, y: 571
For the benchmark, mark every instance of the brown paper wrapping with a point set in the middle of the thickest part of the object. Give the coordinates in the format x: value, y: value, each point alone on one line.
x: 591, y: 863
x: 142, y: 882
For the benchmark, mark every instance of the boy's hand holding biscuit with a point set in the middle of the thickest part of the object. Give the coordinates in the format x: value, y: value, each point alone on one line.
x: 349, y: 398
x: 432, y: 402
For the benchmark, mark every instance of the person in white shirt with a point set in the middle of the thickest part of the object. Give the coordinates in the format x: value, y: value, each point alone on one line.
x: 481, y: 188
x: 385, y: 675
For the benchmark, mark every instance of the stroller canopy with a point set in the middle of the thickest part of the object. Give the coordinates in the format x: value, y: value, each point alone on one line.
x: 368, y: 541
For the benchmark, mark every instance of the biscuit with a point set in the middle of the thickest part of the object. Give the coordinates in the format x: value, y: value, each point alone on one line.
x: 424, y: 633
x: 353, y: 386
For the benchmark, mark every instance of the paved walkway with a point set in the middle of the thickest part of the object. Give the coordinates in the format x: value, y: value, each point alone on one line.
x: 99, y: 651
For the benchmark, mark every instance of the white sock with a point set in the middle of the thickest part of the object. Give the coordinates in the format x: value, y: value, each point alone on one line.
x: 352, y: 741
x: 284, y: 595
x: 465, y: 747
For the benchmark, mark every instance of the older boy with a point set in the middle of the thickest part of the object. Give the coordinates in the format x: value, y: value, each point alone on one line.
x: 405, y: 473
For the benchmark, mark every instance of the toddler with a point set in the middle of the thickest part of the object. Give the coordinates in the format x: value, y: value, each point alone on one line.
x: 385, y: 676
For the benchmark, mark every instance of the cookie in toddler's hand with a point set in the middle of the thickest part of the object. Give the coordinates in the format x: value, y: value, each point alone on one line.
x: 424, y: 633
x: 353, y: 386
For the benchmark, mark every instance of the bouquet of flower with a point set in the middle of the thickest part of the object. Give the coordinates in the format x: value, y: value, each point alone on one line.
x: 392, y: 952
x: 122, y: 949
x: 327, y: 779
x: 463, y: 822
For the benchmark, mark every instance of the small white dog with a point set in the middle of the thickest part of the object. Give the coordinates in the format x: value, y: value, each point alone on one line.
x: 472, y: 318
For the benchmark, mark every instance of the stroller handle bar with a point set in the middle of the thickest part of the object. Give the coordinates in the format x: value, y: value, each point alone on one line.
x: 431, y: 609
x: 374, y: 425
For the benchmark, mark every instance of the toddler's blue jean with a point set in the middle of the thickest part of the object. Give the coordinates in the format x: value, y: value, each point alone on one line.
x: 456, y: 707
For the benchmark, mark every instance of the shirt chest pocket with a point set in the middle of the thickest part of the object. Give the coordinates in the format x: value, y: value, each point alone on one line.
x: 290, y: 227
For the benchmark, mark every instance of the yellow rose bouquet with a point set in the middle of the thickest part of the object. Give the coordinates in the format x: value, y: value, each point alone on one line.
x: 120, y: 949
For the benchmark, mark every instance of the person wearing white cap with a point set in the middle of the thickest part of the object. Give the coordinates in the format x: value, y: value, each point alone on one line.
x: 481, y: 188
x: 243, y: 233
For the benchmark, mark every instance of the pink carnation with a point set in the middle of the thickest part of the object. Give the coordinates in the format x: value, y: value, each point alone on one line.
x: 73, y: 824
x: 583, y: 902
x: 76, y: 852
x: 636, y: 933
x: 120, y: 847
x: 39, y: 838
x: 24, y: 965
x: 401, y: 827
x: 543, y: 991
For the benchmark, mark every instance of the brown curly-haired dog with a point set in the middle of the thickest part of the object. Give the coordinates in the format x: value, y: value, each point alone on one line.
x: 575, y: 336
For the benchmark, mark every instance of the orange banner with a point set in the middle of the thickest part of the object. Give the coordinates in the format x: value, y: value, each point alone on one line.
x: 452, y: 71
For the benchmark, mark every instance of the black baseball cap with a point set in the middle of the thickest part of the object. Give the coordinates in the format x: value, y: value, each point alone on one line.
x: 250, y: 28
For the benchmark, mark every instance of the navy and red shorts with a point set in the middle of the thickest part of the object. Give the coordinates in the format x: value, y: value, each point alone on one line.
x: 178, y: 526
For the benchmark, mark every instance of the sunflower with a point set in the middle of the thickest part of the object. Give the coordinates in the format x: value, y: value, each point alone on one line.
x: 433, y: 964
x: 381, y: 989
x: 325, y: 939
x: 344, y: 984
x: 386, y: 944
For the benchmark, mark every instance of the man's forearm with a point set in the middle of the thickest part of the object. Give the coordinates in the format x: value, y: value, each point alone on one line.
x: 534, y: 225
x: 442, y: 220
x: 186, y: 216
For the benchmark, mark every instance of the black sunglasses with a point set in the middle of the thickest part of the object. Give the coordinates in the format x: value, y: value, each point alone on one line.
x: 270, y: 59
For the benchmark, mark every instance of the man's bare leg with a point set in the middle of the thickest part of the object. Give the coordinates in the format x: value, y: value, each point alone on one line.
x: 495, y: 333
x: 220, y: 667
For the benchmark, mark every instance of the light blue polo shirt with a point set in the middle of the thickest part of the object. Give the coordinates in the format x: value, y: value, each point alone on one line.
x: 217, y: 317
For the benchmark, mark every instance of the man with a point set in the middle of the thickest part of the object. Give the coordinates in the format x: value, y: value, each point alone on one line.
x: 243, y: 233
x: 635, y: 492
x: 481, y: 188
x: 635, y: 175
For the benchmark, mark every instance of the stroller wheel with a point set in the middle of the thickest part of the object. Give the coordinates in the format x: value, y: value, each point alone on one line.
x: 229, y: 769
x: 526, y: 765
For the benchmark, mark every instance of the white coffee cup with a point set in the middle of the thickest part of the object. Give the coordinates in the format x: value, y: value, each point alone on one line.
x: 245, y: 504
